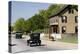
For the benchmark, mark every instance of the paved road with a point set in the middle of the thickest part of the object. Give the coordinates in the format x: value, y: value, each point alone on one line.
x: 21, y: 46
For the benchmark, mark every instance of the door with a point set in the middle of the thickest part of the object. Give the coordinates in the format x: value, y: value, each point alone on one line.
x: 55, y: 28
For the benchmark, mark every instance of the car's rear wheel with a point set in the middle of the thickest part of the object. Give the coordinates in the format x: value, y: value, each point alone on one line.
x: 39, y: 43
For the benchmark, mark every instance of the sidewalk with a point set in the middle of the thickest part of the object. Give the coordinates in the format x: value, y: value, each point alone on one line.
x: 63, y: 45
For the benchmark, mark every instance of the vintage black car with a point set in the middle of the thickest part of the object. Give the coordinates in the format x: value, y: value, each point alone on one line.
x: 18, y: 35
x: 34, y: 39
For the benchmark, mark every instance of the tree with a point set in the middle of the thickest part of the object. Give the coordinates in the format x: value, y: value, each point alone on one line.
x: 37, y: 22
x: 28, y: 25
x: 45, y: 14
x: 19, y: 25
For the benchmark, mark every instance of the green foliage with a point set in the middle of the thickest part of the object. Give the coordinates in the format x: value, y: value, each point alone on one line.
x: 70, y: 39
x: 39, y: 30
x: 45, y: 14
x: 20, y: 25
x: 37, y: 22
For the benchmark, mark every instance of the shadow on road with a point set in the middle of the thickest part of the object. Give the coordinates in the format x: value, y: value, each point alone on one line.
x: 28, y: 50
x: 37, y: 45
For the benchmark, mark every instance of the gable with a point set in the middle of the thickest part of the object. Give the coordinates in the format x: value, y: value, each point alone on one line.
x: 65, y: 9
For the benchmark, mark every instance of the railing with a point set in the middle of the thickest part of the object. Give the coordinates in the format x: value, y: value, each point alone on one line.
x: 56, y: 23
x: 53, y: 21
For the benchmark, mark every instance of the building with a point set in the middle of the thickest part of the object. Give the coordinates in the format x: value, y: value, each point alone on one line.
x: 65, y: 21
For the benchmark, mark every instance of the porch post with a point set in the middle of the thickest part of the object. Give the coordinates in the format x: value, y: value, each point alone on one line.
x: 49, y: 31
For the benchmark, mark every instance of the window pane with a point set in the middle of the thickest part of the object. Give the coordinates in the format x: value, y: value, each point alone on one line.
x: 64, y: 19
x: 76, y: 29
x: 76, y: 19
x: 63, y: 29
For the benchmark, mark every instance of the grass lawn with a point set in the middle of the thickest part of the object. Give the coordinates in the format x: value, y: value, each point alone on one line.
x: 70, y: 39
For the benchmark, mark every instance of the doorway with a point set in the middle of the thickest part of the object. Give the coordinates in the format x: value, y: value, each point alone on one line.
x: 54, y: 28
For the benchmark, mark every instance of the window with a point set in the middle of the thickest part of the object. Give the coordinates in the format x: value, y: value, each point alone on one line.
x: 76, y: 29
x: 76, y: 19
x: 71, y: 11
x: 63, y: 29
x: 64, y: 19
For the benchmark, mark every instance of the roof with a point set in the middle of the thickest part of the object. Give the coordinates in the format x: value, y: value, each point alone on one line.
x: 65, y: 7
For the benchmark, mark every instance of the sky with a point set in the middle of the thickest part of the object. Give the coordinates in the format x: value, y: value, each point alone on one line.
x: 26, y: 9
